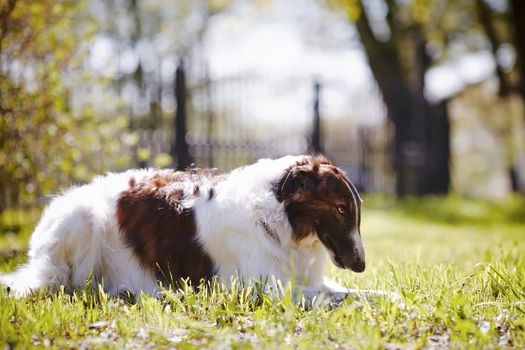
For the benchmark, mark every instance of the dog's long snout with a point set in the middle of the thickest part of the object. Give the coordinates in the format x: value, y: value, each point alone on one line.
x: 348, y: 253
x: 358, y: 263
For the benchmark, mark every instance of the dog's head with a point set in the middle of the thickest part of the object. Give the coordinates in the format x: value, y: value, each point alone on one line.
x: 320, y: 200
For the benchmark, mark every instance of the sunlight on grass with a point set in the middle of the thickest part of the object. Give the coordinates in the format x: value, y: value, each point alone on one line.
x: 460, y: 271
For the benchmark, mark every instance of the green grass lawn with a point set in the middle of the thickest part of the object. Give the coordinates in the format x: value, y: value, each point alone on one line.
x: 458, y: 264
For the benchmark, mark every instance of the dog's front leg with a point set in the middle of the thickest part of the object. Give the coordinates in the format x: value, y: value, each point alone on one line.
x: 328, y: 291
x: 337, y: 293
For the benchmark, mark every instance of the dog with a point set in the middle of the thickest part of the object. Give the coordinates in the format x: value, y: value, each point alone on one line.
x: 139, y: 230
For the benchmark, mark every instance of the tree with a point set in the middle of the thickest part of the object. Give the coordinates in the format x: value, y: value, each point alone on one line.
x: 402, y: 43
x: 517, y: 8
x: 45, y: 143
x: 170, y: 30
x: 32, y: 44
x: 399, y: 60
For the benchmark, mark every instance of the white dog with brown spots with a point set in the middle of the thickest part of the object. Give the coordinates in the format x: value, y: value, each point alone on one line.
x: 274, y: 220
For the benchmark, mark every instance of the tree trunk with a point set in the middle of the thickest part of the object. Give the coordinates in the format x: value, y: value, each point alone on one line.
x: 430, y: 127
x: 421, y: 139
x: 518, y: 16
x: 485, y: 19
x: 386, y: 68
x: 437, y: 153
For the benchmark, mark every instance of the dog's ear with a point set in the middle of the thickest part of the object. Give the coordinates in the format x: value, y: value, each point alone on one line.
x: 299, y: 182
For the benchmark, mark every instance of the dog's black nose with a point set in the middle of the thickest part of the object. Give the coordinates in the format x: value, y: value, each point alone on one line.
x: 358, y: 266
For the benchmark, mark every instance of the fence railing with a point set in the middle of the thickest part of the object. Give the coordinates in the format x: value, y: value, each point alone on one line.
x: 226, y: 122
x: 236, y: 120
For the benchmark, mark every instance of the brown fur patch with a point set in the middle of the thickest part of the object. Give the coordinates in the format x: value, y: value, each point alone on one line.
x: 160, y: 230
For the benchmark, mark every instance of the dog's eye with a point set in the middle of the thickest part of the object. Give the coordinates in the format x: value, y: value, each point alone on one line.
x: 341, y: 209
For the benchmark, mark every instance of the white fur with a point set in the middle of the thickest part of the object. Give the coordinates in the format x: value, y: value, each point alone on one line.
x: 78, y: 236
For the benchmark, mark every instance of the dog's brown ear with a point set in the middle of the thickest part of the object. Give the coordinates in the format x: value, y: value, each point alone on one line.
x: 298, y: 182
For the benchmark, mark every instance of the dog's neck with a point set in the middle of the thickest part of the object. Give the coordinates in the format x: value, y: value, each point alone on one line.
x: 270, y: 232
x: 280, y: 232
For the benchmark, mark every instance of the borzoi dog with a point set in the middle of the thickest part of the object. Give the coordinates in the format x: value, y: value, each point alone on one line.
x: 134, y: 231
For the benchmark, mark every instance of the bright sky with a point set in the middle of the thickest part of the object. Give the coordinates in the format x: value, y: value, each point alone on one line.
x: 300, y: 41
x: 274, y: 44
x: 292, y: 41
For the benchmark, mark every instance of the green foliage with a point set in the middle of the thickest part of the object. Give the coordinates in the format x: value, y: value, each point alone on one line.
x: 44, y: 143
x: 460, y: 272
x: 35, y: 45
x: 352, y: 8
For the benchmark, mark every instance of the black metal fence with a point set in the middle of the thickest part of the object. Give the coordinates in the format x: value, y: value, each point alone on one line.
x: 230, y: 121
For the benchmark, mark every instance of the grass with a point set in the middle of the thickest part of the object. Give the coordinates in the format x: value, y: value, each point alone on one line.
x: 459, y: 265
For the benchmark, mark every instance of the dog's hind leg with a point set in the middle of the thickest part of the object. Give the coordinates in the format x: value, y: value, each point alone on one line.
x: 45, y: 267
x: 64, y: 230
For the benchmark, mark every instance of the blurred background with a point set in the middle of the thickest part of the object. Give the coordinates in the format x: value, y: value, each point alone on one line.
x: 410, y: 97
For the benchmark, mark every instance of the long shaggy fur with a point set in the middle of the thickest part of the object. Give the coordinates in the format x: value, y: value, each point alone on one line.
x: 276, y: 219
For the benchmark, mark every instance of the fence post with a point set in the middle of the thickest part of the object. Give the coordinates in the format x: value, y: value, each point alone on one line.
x: 210, y: 116
x: 364, y: 180
x: 180, y: 149
x: 314, y: 145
